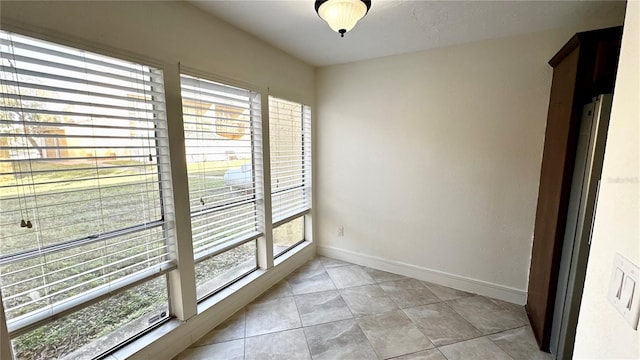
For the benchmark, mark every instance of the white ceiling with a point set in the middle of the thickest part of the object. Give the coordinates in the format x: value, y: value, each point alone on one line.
x: 401, y: 26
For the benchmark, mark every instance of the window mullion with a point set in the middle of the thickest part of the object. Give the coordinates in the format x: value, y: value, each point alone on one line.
x: 265, y: 244
x: 182, y: 283
x: 309, y: 133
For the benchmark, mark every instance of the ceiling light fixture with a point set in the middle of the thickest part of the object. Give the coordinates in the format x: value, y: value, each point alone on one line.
x: 342, y: 15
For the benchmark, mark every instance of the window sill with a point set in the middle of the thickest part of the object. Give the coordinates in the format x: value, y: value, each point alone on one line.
x: 172, y: 337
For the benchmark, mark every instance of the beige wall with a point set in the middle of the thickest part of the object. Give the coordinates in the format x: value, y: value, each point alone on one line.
x: 602, y: 332
x: 431, y: 160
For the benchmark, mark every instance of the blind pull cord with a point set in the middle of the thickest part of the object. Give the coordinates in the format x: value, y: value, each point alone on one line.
x: 21, y: 116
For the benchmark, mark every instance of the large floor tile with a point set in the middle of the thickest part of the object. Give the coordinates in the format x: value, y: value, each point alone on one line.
x: 367, y: 300
x: 230, y: 329
x: 328, y: 262
x: 230, y: 350
x: 284, y: 345
x: 349, y: 276
x: 312, y: 266
x: 331, y: 309
x: 382, y: 276
x: 433, y: 354
x: 519, y: 344
x: 409, y: 293
x: 277, y: 291
x: 338, y: 340
x: 392, y: 334
x: 515, y: 310
x: 441, y: 324
x: 271, y: 316
x: 322, y: 307
x: 486, y: 315
x: 310, y: 281
x: 480, y: 348
x: 446, y: 293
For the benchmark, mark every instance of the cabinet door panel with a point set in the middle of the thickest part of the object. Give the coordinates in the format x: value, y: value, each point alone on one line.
x: 557, y: 163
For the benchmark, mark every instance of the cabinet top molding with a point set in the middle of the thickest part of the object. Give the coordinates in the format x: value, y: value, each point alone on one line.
x: 591, y: 36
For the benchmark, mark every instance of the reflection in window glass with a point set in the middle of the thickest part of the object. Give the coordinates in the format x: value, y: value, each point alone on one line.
x: 288, y: 235
x: 215, y: 273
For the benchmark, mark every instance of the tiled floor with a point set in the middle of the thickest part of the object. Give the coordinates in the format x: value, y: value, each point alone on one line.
x: 330, y: 309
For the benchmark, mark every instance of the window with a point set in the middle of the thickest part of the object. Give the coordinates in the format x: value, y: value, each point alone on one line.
x: 290, y: 146
x: 102, y: 326
x: 83, y: 219
x: 86, y: 198
x: 223, y: 153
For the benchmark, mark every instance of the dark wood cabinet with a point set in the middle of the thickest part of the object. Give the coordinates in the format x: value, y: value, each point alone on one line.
x: 584, y: 68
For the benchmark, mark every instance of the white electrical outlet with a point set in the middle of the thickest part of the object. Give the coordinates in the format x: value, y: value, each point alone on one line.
x: 340, y: 230
x: 623, y: 289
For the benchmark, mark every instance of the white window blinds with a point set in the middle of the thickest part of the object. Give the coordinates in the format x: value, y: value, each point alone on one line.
x: 223, y: 150
x: 290, y: 146
x: 83, y: 167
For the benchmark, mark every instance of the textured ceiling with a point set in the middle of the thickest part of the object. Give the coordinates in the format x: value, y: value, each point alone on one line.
x: 402, y: 26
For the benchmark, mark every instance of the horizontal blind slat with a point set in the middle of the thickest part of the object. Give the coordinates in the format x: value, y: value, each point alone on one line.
x: 195, y: 86
x: 290, y: 158
x: 45, y: 100
x: 48, y: 76
x: 79, y: 70
x: 220, y: 127
x: 31, y: 320
x: 74, y: 114
x: 84, y: 158
x: 67, y: 55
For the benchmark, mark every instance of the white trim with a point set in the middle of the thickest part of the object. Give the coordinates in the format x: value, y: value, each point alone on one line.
x: 293, y: 97
x: 182, y: 283
x: 475, y: 286
x: 202, y: 74
x: 5, y: 343
x: 172, y: 338
x: 265, y: 244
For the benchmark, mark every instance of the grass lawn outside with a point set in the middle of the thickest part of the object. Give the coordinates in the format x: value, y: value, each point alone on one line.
x: 74, y: 200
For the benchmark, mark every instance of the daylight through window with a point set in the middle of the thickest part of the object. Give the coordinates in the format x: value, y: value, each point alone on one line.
x: 290, y: 146
x: 88, y: 247
x: 223, y: 151
x: 83, y: 162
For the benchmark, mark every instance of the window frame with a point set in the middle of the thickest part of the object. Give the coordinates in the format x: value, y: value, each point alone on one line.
x: 306, y: 185
x: 258, y: 169
x: 24, y: 324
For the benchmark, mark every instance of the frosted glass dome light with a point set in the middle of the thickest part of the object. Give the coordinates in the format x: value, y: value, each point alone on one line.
x: 342, y: 15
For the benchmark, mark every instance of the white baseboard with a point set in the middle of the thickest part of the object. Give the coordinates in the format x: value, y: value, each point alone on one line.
x: 476, y: 286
